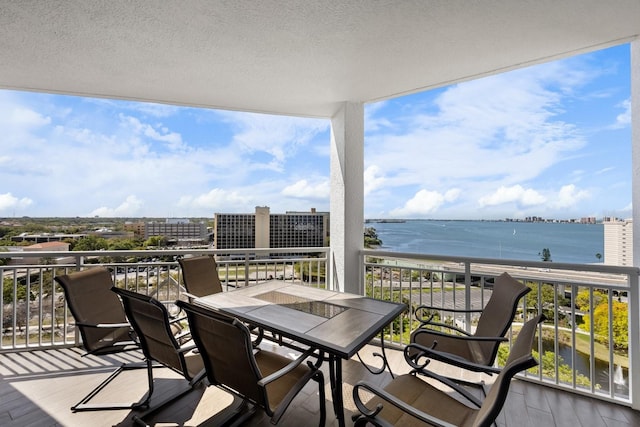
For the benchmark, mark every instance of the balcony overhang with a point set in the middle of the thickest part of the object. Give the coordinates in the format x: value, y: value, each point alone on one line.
x: 290, y: 57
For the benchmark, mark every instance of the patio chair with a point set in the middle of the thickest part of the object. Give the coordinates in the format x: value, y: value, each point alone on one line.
x: 410, y: 401
x: 200, y: 275
x: 475, y: 352
x: 153, y: 325
x: 100, y: 317
x: 261, y: 378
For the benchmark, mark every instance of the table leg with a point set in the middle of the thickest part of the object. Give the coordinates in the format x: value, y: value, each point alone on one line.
x: 383, y: 356
x: 335, y: 380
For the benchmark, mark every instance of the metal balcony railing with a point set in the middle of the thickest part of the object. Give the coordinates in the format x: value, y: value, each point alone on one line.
x: 35, y: 315
x: 589, y: 345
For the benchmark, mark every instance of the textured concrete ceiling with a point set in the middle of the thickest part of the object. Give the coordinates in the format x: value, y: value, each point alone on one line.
x: 289, y: 56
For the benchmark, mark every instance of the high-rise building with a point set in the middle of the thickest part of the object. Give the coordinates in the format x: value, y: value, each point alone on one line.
x: 179, y: 231
x: 265, y: 230
x: 618, y: 241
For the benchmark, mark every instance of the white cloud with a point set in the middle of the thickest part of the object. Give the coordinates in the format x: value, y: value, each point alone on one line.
x: 305, y: 190
x: 452, y: 195
x: 18, y: 116
x: 513, y: 194
x: 216, y: 200
x: 130, y: 207
x: 372, y: 180
x: 624, y: 119
x: 9, y: 201
x: 278, y: 136
x: 569, y: 196
x: 424, y: 202
x: 173, y: 140
x: 604, y: 170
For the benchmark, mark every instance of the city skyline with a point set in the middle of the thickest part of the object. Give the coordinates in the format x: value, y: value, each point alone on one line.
x: 549, y: 140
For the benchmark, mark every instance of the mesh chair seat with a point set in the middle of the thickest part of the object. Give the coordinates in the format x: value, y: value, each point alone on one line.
x: 153, y: 325
x: 410, y: 401
x: 266, y: 379
x: 103, y: 326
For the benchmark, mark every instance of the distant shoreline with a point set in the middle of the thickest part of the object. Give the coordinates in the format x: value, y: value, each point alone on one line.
x: 508, y: 220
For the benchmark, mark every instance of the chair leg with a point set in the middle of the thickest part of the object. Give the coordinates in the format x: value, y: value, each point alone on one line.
x: 139, y: 419
x: 85, y: 405
x: 319, y: 378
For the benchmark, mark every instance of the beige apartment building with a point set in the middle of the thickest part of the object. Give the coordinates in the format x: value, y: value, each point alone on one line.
x: 618, y: 241
x: 263, y: 229
x: 178, y: 231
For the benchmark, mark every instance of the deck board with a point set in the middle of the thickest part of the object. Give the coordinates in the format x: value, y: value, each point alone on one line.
x: 37, y: 388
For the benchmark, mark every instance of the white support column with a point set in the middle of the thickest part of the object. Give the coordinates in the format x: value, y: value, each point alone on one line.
x: 347, y: 197
x: 634, y: 294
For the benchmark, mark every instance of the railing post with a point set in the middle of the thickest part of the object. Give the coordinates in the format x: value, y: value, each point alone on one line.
x: 246, y: 269
x: 634, y: 341
x: 467, y: 294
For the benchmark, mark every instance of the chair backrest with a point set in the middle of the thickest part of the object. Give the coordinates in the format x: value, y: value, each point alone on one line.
x: 498, y: 314
x: 89, y: 297
x: 520, y: 358
x: 225, y: 345
x: 200, y: 275
x: 150, y: 319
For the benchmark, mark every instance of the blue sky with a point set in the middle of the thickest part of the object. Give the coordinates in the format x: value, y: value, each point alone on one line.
x: 553, y: 140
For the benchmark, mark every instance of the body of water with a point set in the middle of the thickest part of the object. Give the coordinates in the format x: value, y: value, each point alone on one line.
x: 570, y: 243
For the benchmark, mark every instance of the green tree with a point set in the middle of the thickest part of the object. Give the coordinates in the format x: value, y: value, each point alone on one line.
x: 4, y: 261
x: 157, y: 241
x: 91, y: 243
x: 371, y: 238
x: 544, y: 298
x: 8, y: 288
x: 582, y: 299
x: 545, y: 255
x: 620, y: 325
x: 599, y: 256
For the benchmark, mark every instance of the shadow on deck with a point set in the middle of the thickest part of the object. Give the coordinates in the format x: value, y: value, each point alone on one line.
x: 37, y: 388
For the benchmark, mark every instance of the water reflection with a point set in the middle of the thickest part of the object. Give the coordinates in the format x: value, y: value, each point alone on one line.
x: 582, y: 366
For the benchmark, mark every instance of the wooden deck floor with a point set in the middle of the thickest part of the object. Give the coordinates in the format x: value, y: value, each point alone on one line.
x: 37, y: 388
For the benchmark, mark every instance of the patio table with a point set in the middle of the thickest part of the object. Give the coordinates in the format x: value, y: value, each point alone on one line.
x: 337, y: 323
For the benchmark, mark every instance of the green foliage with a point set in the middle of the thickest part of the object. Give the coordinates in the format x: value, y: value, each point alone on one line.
x: 547, y: 362
x: 4, y: 261
x: 620, y: 327
x: 400, y: 324
x: 371, y: 239
x: 157, y: 241
x: 545, y: 255
x: 546, y: 300
x: 582, y: 299
x: 8, y: 291
x: 311, y: 270
x: 91, y: 243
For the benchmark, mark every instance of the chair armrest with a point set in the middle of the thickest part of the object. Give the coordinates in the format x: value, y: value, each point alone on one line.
x: 465, y: 337
x: 428, y: 319
x: 284, y: 371
x: 187, y: 347
x: 188, y: 295
x: 177, y: 319
x: 420, y: 351
x: 408, y: 409
x: 104, y: 325
x: 183, y: 337
x: 440, y: 308
x: 442, y: 325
